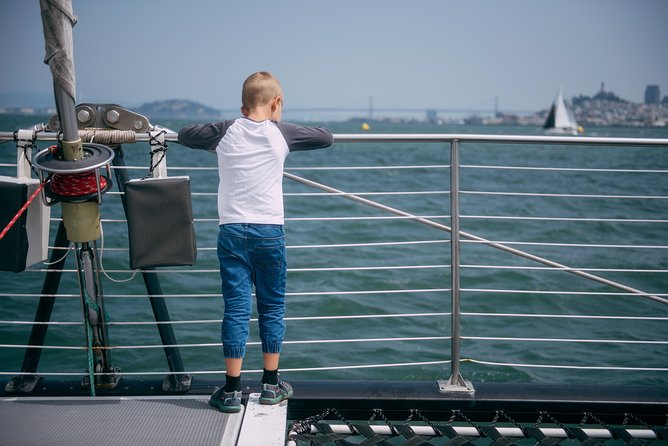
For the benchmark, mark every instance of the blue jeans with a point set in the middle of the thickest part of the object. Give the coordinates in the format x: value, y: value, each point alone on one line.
x: 252, y: 254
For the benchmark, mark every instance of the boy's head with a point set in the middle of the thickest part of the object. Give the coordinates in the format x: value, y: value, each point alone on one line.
x: 262, y: 93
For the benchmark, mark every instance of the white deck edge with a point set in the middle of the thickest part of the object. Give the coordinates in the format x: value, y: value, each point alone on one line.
x: 263, y: 424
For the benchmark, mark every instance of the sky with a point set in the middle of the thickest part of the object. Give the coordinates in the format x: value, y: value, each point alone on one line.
x: 443, y: 54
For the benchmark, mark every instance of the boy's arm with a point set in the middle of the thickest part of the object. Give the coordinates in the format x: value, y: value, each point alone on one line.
x: 301, y: 137
x: 203, y: 136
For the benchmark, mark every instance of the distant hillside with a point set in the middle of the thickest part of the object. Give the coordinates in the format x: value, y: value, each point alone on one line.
x: 178, y: 109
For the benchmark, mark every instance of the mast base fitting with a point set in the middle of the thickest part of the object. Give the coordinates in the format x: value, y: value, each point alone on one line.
x: 73, y: 150
x: 106, y: 382
x: 82, y: 221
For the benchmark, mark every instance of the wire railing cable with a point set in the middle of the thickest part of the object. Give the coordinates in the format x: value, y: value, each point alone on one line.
x: 469, y: 236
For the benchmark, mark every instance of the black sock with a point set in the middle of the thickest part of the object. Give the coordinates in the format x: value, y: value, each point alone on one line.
x: 232, y: 383
x: 270, y: 377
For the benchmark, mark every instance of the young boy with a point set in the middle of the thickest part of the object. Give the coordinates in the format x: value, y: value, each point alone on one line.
x: 251, y: 242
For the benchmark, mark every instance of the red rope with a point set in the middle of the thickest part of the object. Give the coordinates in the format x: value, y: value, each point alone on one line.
x: 22, y: 210
x: 76, y: 184
x: 65, y: 185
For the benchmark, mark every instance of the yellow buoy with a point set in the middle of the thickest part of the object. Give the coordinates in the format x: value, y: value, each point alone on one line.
x: 365, y: 126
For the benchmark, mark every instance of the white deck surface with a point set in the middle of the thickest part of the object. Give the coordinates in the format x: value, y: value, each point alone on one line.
x: 263, y: 425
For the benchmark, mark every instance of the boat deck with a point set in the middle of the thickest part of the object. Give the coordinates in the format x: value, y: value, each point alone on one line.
x: 159, y: 419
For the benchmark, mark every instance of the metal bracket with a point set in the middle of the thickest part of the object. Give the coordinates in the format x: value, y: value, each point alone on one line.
x: 22, y: 384
x: 107, y: 382
x: 158, y: 156
x: 106, y: 116
x: 177, y: 383
x: 455, y: 384
x: 24, y: 144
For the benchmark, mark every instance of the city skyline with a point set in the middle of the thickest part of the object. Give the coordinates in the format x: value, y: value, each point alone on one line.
x: 438, y: 55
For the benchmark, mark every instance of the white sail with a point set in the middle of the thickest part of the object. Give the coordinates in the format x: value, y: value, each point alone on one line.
x: 561, y: 118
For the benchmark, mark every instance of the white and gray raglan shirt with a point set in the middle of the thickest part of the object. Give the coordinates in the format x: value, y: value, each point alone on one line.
x: 251, y: 156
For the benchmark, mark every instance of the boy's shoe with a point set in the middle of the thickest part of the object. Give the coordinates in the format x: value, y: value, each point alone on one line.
x: 228, y: 402
x: 274, y: 394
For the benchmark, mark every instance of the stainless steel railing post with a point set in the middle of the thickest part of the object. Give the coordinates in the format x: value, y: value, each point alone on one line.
x: 456, y: 383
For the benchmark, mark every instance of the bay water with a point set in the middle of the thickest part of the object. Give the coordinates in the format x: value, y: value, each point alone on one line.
x: 403, y: 288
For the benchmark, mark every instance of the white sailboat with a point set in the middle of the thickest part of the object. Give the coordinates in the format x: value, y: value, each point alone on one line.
x: 561, y: 120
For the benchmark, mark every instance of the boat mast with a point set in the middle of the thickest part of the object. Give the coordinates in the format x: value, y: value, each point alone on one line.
x: 81, y: 213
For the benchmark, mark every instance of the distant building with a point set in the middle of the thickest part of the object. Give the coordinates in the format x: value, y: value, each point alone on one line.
x: 432, y: 116
x: 603, y: 95
x: 652, y: 94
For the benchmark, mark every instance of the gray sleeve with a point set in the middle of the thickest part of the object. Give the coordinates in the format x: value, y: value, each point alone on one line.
x: 302, y: 137
x: 203, y: 136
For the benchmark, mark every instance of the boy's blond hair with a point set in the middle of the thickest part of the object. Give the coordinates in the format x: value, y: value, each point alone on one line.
x: 259, y: 89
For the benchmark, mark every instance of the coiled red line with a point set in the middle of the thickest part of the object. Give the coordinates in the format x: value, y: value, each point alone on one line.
x: 76, y: 184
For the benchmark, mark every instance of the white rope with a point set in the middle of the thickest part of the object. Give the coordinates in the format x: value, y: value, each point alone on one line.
x: 349, y: 317
x: 351, y: 367
x: 420, y: 242
x: 412, y: 217
x: 104, y: 271
x: 364, y: 316
x: 203, y: 295
x: 67, y: 251
x: 185, y: 270
x: 549, y: 268
x: 576, y: 367
x: 399, y: 167
x: 287, y: 318
x: 562, y: 169
x: 175, y: 168
x: 357, y: 245
x: 344, y: 293
x: 45, y: 347
x: 219, y: 344
x: 348, y: 218
x: 532, y: 194
x: 327, y: 194
x: 366, y: 268
x: 38, y: 295
x: 508, y: 249
x: 217, y: 271
x: 571, y: 245
x: 335, y: 341
x: 358, y: 340
x: 585, y: 341
x: 362, y: 366
x: 220, y: 372
x: 328, y: 293
x: 330, y: 245
x: 576, y: 293
x: 611, y: 220
x: 568, y: 316
x: 40, y: 323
